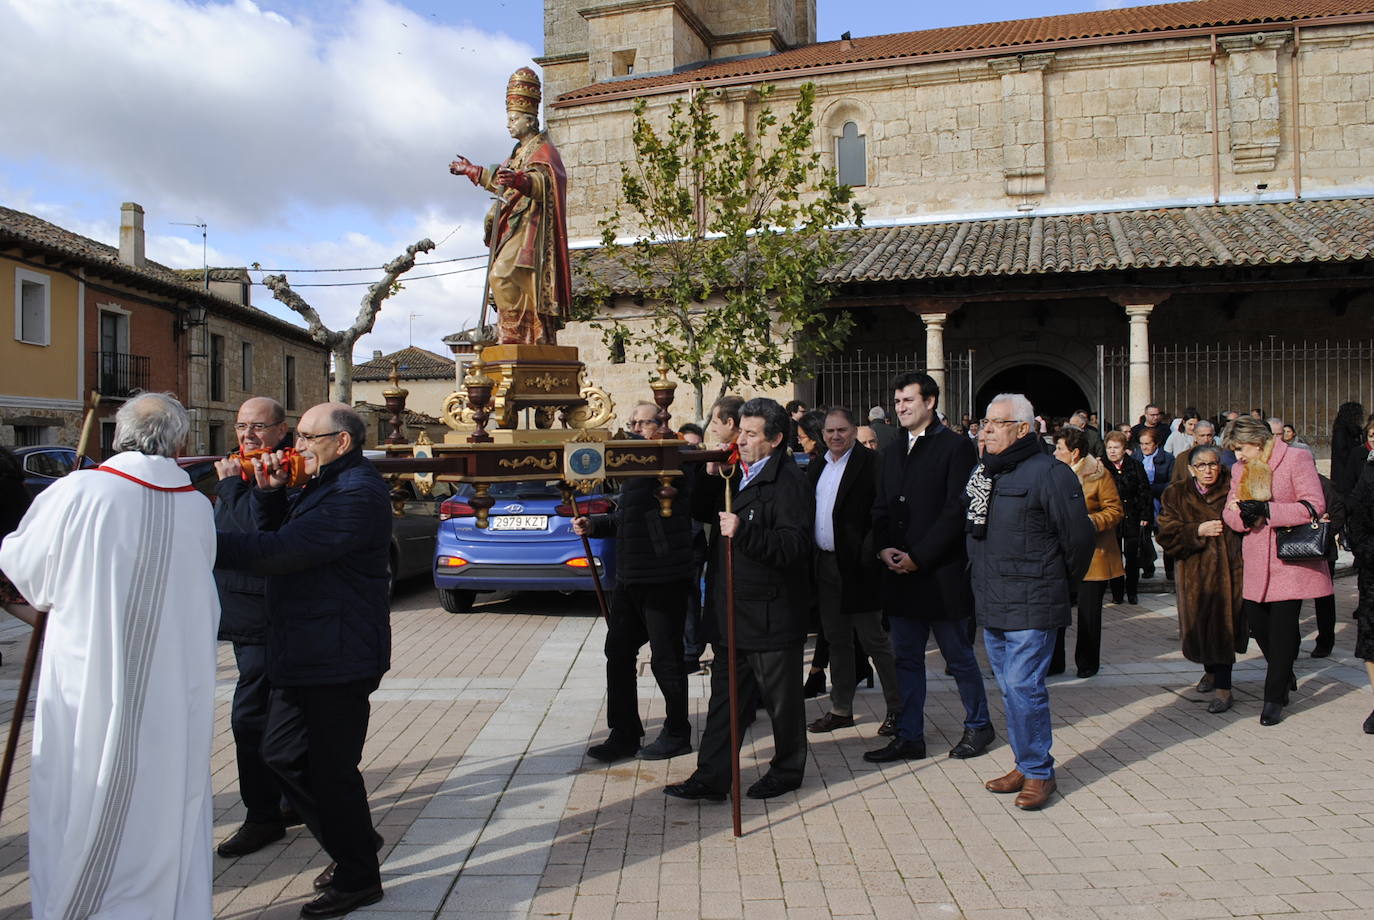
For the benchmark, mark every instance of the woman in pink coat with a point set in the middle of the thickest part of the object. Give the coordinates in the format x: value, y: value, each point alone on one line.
x: 1268, y: 485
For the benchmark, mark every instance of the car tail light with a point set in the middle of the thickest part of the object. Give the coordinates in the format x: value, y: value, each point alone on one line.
x: 450, y: 562
x: 580, y: 562
x: 595, y: 506
x: 453, y: 508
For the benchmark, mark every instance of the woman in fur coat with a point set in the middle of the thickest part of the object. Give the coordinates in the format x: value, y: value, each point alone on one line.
x: 1207, y: 573
x: 1106, y: 512
x: 1269, y: 485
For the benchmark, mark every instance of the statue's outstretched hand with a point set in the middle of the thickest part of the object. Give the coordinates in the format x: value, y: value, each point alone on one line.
x: 464, y: 167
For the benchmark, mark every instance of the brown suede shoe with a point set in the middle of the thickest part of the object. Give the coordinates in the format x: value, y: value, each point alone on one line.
x: 1035, y: 794
x: 1012, y: 782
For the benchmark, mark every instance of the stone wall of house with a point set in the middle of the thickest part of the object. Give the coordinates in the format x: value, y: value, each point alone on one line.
x: 270, y: 351
x: 425, y: 396
x: 1120, y: 125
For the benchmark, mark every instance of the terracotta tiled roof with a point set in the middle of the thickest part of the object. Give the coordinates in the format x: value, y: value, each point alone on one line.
x: 413, y: 364
x: 993, y: 38
x: 239, y: 275
x: 1291, y: 232
x: 408, y: 418
x: 27, y: 231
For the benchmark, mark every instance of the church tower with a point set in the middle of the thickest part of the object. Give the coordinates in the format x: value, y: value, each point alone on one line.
x: 591, y: 41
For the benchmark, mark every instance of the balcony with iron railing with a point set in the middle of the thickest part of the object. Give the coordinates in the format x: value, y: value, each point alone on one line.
x: 121, y: 374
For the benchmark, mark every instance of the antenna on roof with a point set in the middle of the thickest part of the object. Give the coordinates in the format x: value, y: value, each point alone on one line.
x: 204, y: 228
x: 412, y: 326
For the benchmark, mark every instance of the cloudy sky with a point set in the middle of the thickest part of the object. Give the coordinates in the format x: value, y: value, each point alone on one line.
x: 305, y: 133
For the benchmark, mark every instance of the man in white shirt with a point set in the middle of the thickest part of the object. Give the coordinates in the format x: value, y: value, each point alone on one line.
x: 848, y: 571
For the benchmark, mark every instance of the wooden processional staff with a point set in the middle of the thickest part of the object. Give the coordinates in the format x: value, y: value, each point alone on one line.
x: 727, y: 472
x: 38, y: 619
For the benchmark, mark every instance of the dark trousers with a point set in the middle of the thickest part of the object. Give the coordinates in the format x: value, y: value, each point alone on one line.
x: 654, y: 614
x: 1275, y: 627
x: 314, y: 742
x: 1326, y: 615
x: 1221, y: 675
x: 1087, y: 653
x: 1128, y: 585
x: 258, y: 786
x: 909, y: 639
x: 775, y: 677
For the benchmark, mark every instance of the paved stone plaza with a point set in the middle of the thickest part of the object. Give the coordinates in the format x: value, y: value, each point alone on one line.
x: 489, y: 808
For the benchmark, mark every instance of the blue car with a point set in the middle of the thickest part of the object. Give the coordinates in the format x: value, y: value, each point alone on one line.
x: 528, y: 544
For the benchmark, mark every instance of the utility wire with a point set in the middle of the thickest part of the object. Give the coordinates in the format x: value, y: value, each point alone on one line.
x: 369, y: 268
x: 459, y: 271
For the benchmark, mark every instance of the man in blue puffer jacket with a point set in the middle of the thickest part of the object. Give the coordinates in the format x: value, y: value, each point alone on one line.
x: 325, y: 551
x: 1029, y: 537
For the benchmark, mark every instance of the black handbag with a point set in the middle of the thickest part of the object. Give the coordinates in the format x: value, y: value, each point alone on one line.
x: 1306, y: 541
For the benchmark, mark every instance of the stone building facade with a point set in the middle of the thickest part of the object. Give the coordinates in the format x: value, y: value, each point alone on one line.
x: 994, y: 135
x: 119, y: 323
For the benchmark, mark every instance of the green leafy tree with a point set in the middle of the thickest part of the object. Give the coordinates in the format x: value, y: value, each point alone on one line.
x: 731, y: 239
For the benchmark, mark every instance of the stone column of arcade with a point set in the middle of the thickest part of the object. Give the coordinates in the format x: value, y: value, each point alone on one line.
x: 935, y: 346
x: 1138, y: 309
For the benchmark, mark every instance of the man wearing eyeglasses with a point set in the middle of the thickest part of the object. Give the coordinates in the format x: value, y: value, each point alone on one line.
x: 325, y: 551
x: 1029, y: 537
x: 654, y: 576
x: 261, y: 425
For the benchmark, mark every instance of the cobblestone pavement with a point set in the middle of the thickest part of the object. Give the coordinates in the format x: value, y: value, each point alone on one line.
x: 479, y: 784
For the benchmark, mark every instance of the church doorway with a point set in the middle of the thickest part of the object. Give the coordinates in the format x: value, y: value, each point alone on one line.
x: 1052, y: 392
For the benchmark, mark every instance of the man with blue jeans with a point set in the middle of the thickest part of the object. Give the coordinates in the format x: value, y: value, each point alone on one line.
x: 1029, y: 537
x: 918, y: 529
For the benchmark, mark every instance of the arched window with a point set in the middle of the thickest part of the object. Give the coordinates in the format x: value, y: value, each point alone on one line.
x: 851, y: 155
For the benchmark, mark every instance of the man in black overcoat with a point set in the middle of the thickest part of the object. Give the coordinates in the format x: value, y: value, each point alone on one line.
x: 261, y: 425
x: 844, y: 480
x: 918, y: 527
x: 771, y: 526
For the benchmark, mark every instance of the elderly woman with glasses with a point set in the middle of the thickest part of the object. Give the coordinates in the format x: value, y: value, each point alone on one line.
x: 1272, y: 486
x: 1207, y: 573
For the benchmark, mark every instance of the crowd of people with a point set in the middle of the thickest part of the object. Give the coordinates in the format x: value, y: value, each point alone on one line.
x: 876, y: 537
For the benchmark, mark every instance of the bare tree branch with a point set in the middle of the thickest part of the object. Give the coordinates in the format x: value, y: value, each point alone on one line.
x: 341, y: 343
x: 281, y: 290
x: 381, y: 290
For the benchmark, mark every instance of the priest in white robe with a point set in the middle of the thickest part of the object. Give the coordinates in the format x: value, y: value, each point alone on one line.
x: 119, y: 787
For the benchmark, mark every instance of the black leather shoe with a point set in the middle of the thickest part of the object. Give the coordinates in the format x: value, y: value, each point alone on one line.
x: 1207, y: 684
x: 250, y: 838
x: 1084, y: 673
x: 1322, y: 651
x: 1132, y: 599
x: 770, y: 787
x: 889, y: 726
x: 613, y: 749
x: 897, y: 749
x: 1271, y: 714
x: 335, y: 903
x: 1054, y: 669
x: 693, y: 789
x: 829, y: 723
x: 974, y: 742
x: 1369, y: 724
x: 326, y: 876
x: 1220, y: 704
x: 290, y: 817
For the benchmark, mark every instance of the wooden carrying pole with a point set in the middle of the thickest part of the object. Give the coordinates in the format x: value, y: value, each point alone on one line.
x: 728, y: 472
x: 570, y: 496
x: 38, y: 619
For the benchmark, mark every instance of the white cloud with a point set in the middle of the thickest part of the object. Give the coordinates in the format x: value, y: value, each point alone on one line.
x: 247, y: 118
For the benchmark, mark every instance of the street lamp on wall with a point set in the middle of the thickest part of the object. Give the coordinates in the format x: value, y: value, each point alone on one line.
x: 194, y: 316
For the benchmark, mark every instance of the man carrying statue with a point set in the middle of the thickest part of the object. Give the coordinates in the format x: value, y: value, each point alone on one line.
x: 529, y: 275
